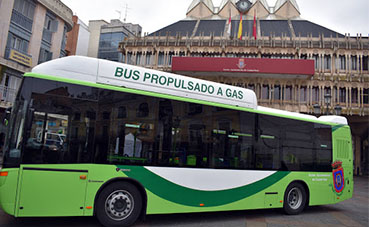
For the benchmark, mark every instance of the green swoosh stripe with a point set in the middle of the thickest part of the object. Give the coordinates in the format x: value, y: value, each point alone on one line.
x: 192, y: 197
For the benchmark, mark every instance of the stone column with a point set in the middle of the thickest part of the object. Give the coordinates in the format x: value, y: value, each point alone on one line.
x: 347, y: 96
x: 347, y: 59
x: 333, y: 64
x: 298, y: 94
x: 271, y: 88
x: 156, y: 59
x: 144, y: 58
x: 361, y: 97
x: 166, y: 58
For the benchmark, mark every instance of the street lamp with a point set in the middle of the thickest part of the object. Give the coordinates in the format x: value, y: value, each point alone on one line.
x: 338, y: 110
x: 327, y: 100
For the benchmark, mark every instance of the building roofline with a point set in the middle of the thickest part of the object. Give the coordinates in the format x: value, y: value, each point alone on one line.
x: 61, y: 10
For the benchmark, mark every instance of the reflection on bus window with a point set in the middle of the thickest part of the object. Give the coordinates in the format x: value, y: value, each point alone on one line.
x: 111, y: 127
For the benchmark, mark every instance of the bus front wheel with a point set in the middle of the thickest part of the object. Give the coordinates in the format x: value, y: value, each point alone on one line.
x: 119, y: 204
x: 294, y: 199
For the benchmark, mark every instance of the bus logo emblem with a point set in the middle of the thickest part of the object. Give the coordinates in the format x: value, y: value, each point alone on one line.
x: 338, y: 177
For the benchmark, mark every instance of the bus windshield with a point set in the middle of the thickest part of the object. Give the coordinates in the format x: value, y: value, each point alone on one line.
x: 40, y: 122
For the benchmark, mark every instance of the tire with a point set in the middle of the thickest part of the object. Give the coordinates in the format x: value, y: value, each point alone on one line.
x: 119, y: 204
x: 294, y: 199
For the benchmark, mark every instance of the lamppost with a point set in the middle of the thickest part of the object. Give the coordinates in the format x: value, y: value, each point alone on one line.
x: 327, y: 100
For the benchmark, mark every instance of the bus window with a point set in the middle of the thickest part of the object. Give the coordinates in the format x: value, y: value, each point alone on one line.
x: 232, y: 139
x: 127, y: 135
x: 247, y: 139
x: 323, y: 147
x: 46, y: 140
x: 267, y: 154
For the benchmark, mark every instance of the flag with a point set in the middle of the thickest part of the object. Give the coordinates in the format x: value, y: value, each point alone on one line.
x: 254, y: 31
x: 229, y: 25
x: 239, y: 36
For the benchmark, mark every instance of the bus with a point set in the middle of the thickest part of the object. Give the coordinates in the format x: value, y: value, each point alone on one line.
x: 131, y: 141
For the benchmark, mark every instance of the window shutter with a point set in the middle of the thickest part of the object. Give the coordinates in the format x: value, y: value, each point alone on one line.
x: 54, y: 25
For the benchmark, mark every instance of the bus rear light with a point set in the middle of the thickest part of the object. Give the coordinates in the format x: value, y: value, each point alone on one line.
x: 89, y: 207
x: 201, y: 204
x: 3, y: 174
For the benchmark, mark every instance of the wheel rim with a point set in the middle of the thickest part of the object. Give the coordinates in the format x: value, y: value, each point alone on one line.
x: 119, y: 205
x: 294, y: 198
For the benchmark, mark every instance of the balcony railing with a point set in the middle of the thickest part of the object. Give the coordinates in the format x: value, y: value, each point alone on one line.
x: 21, y: 20
x: 7, y: 95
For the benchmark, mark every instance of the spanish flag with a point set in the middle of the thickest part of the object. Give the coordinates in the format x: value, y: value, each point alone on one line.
x: 239, y: 36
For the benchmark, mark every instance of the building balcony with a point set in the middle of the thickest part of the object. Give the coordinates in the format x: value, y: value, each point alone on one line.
x: 21, y: 20
x: 7, y: 96
x: 334, y: 43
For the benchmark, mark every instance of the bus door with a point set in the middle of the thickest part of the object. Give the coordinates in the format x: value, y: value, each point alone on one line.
x: 46, y: 186
x: 51, y: 191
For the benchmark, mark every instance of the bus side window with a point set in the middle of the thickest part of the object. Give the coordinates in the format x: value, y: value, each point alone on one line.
x: 267, y: 155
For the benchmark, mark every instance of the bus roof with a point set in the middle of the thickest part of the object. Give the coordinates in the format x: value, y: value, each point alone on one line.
x: 118, y: 74
x: 101, y: 71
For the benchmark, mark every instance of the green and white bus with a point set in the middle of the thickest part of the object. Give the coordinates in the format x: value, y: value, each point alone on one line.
x: 93, y: 137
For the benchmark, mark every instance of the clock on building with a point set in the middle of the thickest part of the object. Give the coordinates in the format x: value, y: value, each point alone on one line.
x: 243, y: 5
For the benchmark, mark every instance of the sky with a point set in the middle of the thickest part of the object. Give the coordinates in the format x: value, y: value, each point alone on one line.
x: 343, y: 16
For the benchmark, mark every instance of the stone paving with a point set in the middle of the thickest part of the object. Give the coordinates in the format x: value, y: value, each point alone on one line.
x: 350, y: 213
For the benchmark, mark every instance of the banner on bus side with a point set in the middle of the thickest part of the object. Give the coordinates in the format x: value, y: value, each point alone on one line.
x: 122, y: 75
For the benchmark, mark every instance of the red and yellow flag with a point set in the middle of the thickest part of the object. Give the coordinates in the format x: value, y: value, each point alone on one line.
x: 239, y: 36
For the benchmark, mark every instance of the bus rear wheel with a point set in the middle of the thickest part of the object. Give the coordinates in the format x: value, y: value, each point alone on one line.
x: 294, y: 199
x: 119, y: 204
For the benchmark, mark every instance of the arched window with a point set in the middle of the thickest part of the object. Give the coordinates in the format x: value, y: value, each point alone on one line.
x: 143, y: 110
x: 122, y: 112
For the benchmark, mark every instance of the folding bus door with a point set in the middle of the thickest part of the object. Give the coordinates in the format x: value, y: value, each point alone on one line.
x: 51, y: 191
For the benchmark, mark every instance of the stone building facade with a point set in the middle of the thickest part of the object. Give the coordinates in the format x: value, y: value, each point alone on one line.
x: 31, y: 32
x: 341, y: 61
